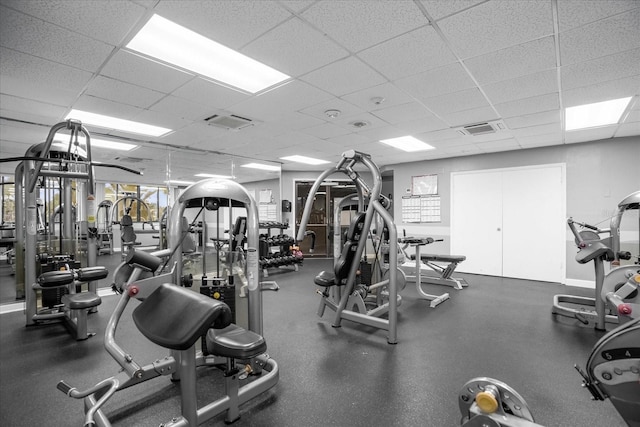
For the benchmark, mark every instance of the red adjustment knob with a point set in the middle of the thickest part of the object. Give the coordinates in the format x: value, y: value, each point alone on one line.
x: 133, y: 290
x: 625, y: 309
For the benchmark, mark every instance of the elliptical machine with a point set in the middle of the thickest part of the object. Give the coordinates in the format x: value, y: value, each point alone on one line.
x: 617, y: 299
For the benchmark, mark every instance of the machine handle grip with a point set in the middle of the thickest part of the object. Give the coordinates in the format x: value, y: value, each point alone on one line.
x: 64, y: 387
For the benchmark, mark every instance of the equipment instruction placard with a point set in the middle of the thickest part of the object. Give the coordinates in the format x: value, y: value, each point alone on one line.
x: 417, y: 209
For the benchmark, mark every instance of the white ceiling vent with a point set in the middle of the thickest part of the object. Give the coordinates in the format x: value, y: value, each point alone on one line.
x: 482, y: 128
x: 229, y: 121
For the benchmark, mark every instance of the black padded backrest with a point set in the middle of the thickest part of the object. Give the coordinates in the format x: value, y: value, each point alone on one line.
x: 355, y: 228
x: 188, y: 244
x: 343, y: 265
x: 126, y: 227
x: 239, y: 232
x: 175, y: 317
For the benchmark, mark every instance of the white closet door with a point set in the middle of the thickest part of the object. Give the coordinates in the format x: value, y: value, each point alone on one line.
x: 533, y: 223
x: 510, y: 222
x: 476, y: 221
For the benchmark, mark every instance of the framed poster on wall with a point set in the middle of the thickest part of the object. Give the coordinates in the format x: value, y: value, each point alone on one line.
x: 424, y: 185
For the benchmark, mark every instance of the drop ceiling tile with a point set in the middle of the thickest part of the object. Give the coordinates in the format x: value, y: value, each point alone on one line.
x: 106, y: 107
x: 208, y: 93
x: 318, y: 110
x: 326, y: 130
x: 457, y: 101
x: 540, y: 140
x: 540, y: 83
x: 498, y: 145
x: 573, y: 13
x: 601, y: 92
x: 389, y: 93
x: 13, y: 149
x: 553, y: 116
x: 182, y: 108
x: 286, y: 48
x: 447, y: 79
x: 534, y: 104
x: 107, y: 21
x: 350, y: 123
x: 411, y: 53
x: 22, y: 70
x: 296, y: 121
x: 159, y: 118
x: 23, y: 105
x: 26, y: 34
x: 125, y: 93
x: 383, y: 132
x: 344, y: 76
x: 229, y: 22
x: 546, y: 129
x: 376, y: 21
x: 403, y: 113
x: 608, y: 36
x: 467, y: 117
x: 438, y: 9
x: 292, y: 138
x: 612, y: 67
x: 349, y: 140
x: 494, y: 25
x: 421, y: 125
x: 30, y: 117
x: 139, y: 71
x: 514, y: 61
x: 280, y: 102
x: 586, y: 135
x: 297, y: 5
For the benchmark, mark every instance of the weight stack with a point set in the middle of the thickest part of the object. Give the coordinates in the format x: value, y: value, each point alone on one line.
x: 220, y: 289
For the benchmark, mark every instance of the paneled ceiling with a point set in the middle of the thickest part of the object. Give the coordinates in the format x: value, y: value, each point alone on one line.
x: 423, y: 68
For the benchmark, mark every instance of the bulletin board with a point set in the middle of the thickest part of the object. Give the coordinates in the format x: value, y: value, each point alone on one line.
x: 416, y: 209
x: 424, y: 185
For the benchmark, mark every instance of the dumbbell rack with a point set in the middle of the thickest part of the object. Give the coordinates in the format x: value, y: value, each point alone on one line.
x: 284, y: 256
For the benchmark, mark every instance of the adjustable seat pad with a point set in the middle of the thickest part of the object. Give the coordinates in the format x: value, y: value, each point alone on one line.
x: 235, y: 342
x: 441, y: 258
x: 81, y: 300
x: 175, y: 317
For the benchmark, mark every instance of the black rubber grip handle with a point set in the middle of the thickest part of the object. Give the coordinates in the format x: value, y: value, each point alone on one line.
x: 88, y: 274
x: 51, y: 279
x: 64, y: 387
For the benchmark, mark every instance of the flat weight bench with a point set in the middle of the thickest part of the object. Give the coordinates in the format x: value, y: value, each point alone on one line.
x: 444, y: 273
x: 76, y: 305
x: 175, y: 318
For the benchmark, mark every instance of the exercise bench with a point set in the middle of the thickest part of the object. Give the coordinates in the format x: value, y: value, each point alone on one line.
x: 444, y: 273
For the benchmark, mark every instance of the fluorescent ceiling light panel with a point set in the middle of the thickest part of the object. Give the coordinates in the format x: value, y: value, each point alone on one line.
x: 178, y: 182
x: 261, y: 166
x: 594, y: 115
x: 109, y: 122
x: 181, y: 47
x: 112, y: 145
x: 304, y: 159
x: 407, y: 143
x: 209, y: 175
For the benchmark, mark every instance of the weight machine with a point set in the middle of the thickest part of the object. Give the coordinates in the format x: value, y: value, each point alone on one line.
x: 227, y: 320
x: 617, y: 298
x: 70, y: 167
x: 348, y: 299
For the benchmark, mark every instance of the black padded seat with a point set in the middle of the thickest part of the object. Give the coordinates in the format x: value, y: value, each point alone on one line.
x: 325, y: 279
x: 235, y: 342
x: 81, y: 300
x: 441, y: 258
x: 175, y: 317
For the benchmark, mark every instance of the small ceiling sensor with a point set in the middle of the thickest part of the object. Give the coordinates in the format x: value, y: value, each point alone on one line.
x: 359, y: 124
x: 332, y: 114
x: 377, y: 100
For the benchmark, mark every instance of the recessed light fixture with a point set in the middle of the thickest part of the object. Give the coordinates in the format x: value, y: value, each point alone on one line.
x: 261, y: 166
x: 359, y: 124
x: 210, y: 175
x: 169, y: 42
x: 109, y: 122
x: 304, y: 159
x: 407, y: 143
x: 594, y: 115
